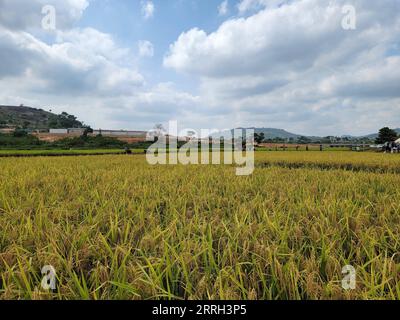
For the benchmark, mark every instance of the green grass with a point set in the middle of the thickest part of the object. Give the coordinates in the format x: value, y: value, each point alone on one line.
x: 114, y: 227
x: 63, y: 152
x: 292, y: 147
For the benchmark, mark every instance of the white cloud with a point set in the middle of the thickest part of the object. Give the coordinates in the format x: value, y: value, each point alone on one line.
x: 251, y: 5
x: 293, y: 63
x: 148, y: 9
x: 22, y: 14
x: 146, y: 48
x: 223, y: 8
x: 82, y: 71
x: 80, y: 61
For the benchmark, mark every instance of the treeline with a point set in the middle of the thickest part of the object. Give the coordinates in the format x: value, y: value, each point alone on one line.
x: 260, y: 138
x: 65, y: 120
x: 22, y: 140
x: 385, y: 135
x: 19, y: 139
x: 36, y: 119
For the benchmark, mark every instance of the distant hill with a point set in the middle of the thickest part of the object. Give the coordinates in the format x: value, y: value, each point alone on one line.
x: 32, y: 118
x: 273, y: 133
x: 269, y: 133
x: 375, y: 135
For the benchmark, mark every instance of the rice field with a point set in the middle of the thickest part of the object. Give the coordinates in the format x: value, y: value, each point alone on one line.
x: 60, y: 152
x: 114, y: 227
x: 352, y: 161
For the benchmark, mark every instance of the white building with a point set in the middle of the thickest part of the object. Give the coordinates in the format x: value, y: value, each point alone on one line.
x: 120, y: 133
x: 77, y: 131
x: 58, y: 131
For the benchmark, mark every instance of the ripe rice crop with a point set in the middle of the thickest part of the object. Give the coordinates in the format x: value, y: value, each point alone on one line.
x: 114, y: 227
x: 370, y: 161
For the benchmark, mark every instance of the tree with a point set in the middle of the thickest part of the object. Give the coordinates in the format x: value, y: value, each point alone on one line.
x: 386, y: 135
x: 20, y: 133
x: 64, y: 120
x: 191, y: 134
x: 87, y: 131
x: 259, y: 137
x: 159, y: 130
x: 304, y: 140
x: 26, y: 124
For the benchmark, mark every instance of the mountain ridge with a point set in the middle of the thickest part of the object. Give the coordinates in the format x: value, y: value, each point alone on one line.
x: 33, y: 118
x: 275, y: 133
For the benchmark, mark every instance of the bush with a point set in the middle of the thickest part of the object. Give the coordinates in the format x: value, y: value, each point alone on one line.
x: 20, y: 133
x: 19, y: 139
x: 90, y: 142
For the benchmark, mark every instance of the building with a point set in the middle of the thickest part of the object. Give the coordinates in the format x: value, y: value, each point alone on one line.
x: 120, y: 133
x: 58, y: 131
x: 79, y: 131
x: 72, y: 131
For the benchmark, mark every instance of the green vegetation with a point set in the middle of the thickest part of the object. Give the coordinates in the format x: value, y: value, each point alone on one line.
x: 298, y: 147
x: 63, y: 152
x: 64, y: 120
x: 270, y: 135
x: 31, y: 118
x: 90, y: 142
x: 20, y: 140
x: 386, y: 135
x: 115, y: 227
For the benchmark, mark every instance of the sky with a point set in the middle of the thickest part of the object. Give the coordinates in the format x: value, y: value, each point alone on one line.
x: 311, y: 67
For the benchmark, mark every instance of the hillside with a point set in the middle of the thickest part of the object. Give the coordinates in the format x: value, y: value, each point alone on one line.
x: 270, y: 133
x: 32, y: 118
x: 375, y: 135
x: 273, y: 133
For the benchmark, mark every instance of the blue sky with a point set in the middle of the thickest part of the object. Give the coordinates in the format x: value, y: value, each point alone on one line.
x: 215, y: 64
x: 124, y: 19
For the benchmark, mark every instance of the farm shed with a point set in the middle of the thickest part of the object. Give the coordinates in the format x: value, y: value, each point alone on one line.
x: 58, y: 131
x: 120, y: 133
x: 77, y: 131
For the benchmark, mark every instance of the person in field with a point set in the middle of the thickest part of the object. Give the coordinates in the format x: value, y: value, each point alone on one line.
x: 393, y: 147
